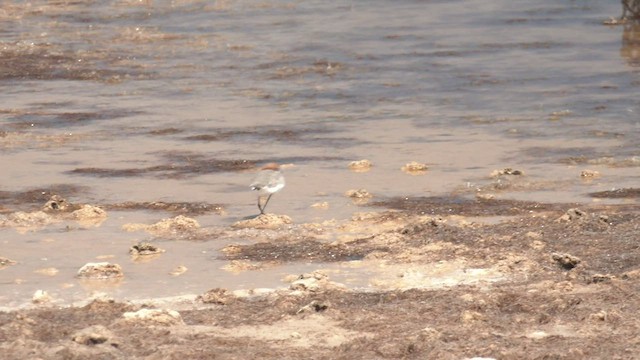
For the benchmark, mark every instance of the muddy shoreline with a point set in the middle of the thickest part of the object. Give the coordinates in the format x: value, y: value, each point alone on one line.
x: 130, y: 131
x: 543, y: 281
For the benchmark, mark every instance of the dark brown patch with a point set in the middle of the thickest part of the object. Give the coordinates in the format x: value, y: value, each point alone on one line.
x: 46, y: 118
x: 39, y: 196
x: 50, y: 62
x: 307, y: 136
x: 260, y: 133
x: 307, y: 250
x: 181, y: 167
x: 166, y: 131
x: 183, y: 208
x: 283, y: 70
x: 208, y: 137
x: 462, y: 206
x: 617, y: 194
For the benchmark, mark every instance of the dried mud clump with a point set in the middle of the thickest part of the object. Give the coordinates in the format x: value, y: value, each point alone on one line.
x: 567, y: 261
x: 179, y: 225
x: 25, y: 220
x: 89, y: 215
x: 358, y: 194
x: 100, y: 271
x: 573, y: 214
x: 598, y: 278
x: 323, y: 205
x: 56, y: 203
x: 56, y: 209
x: 360, y: 165
x: 178, y: 270
x: 147, y: 317
x: 415, y: 168
x: 95, y: 335
x: 5, y: 262
x: 583, y: 218
x: 314, y: 306
x: 217, y: 296
x: 144, y: 249
x: 589, y: 174
x: 264, y: 221
x: 89, y: 212
x: 419, y: 227
x: 506, y: 171
x: 41, y: 297
x: 314, y: 282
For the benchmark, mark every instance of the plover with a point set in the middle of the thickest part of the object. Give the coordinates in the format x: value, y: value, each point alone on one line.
x: 268, y: 182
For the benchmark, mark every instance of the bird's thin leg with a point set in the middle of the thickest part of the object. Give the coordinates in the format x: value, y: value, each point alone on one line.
x: 266, y: 202
x: 260, y: 206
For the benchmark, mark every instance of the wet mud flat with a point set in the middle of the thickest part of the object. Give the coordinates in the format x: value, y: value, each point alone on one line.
x: 543, y: 281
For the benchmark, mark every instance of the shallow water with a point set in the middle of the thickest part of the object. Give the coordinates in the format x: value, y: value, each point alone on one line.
x: 180, y: 101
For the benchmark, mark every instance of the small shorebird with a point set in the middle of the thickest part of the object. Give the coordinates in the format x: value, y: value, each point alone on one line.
x: 268, y: 182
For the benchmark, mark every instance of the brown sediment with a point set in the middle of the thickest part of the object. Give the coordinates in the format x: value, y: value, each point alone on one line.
x: 304, y: 136
x: 285, y: 250
x: 628, y: 193
x: 166, y: 131
x: 21, y: 119
x: 184, y: 208
x: 283, y: 70
x: 601, y: 160
x: 269, y: 133
x: 39, y: 196
x: 180, y: 167
x: 45, y: 61
x: 503, y: 184
x: 18, y: 139
x: 464, y: 206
